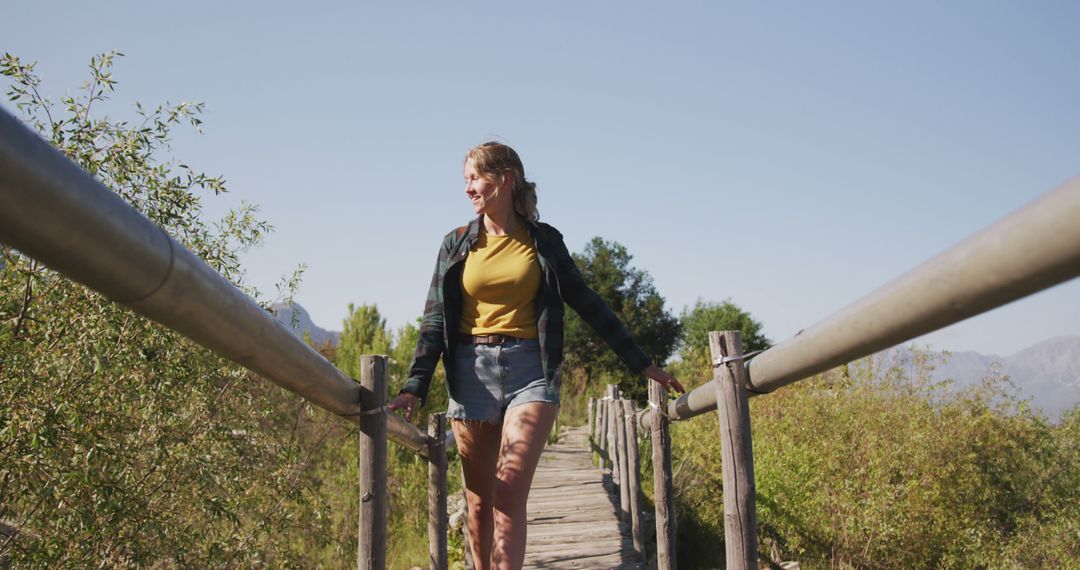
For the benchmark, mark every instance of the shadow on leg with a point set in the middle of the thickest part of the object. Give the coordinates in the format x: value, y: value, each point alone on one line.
x: 524, y: 433
x: 478, y: 445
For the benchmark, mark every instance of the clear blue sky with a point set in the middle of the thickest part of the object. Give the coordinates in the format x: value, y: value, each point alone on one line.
x: 832, y: 145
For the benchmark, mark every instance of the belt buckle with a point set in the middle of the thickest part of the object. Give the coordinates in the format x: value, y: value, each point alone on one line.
x: 491, y: 339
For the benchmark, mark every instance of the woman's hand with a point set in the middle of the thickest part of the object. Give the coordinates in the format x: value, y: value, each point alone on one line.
x: 407, y: 401
x: 667, y: 381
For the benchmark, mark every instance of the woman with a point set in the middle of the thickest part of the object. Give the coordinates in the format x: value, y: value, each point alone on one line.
x: 495, y: 314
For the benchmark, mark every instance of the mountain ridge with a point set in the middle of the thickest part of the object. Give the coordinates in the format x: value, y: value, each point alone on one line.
x: 284, y: 312
x: 1047, y: 372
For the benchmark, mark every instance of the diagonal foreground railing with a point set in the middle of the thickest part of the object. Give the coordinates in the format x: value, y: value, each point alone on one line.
x: 1034, y: 248
x: 56, y: 212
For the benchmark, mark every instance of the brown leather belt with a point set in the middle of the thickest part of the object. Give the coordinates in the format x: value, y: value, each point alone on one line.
x: 487, y: 339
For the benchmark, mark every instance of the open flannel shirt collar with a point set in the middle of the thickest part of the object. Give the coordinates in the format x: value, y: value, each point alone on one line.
x: 561, y: 281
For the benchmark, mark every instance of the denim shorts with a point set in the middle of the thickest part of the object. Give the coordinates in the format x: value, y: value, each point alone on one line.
x: 492, y: 378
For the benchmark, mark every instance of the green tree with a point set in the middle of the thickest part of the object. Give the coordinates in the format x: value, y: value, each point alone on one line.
x: 402, y: 353
x: 629, y: 291
x: 365, y: 332
x: 122, y: 443
x: 698, y: 321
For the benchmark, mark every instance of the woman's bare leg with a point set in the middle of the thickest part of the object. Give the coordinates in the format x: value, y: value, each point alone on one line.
x: 524, y: 433
x: 478, y: 444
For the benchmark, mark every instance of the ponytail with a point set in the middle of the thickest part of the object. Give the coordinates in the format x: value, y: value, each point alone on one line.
x: 525, y: 200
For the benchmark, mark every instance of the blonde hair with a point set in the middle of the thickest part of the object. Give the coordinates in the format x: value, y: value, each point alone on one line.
x: 495, y: 161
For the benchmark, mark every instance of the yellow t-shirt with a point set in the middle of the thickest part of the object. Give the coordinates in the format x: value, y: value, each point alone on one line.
x: 499, y: 284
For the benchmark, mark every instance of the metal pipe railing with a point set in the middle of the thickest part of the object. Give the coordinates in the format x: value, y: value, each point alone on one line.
x: 56, y: 212
x: 1034, y: 248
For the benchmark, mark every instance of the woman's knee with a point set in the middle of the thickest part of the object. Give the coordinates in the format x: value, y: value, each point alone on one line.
x: 511, y: 490
x: 480, y: 506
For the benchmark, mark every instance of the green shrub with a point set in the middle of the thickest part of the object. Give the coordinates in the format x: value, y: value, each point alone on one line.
x: 866, y: 467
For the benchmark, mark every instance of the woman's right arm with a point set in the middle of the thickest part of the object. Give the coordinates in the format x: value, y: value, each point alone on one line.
x: 430, y: 345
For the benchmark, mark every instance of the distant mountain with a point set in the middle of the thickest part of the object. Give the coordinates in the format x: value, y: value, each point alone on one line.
x: 284, y: 315
x: 1047, y: 372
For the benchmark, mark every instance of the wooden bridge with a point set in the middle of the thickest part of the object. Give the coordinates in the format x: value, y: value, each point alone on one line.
x: 574, y: 511
x: 56, y: 212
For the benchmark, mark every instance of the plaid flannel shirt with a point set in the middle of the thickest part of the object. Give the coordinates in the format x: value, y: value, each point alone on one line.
x: 561, y: 281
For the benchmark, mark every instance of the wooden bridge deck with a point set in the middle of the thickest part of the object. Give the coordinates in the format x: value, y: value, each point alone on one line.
x: 573, y: 514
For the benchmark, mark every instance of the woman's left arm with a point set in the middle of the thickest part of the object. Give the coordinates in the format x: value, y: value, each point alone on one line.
x: 594, y: 311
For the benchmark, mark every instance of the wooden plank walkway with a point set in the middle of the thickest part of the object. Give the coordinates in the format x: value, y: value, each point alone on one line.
x: 573, y: 513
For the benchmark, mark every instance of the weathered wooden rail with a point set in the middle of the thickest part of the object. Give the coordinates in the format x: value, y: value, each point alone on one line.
x: 54, y: 211
x: 614, y: 424
x: 1032, y: 249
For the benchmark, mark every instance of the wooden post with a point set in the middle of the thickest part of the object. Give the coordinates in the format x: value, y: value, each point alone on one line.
x: 371, y: 546
x: 595, y: 453
x: 605, y: 449
x: 612, y: 440
x: 601, y: 433
x: 663, y: 491
x: 633, y: 468
x: 589, y: 441
x: 438, y: 522
x: 624, y: 468
x: 737, y: 453
x: 592, y: 418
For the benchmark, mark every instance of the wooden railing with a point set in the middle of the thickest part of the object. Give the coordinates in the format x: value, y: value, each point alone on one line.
x: 56, y: 212
x: 373, y: 473
x: 614, y: 426
x: 613, y: 435
x: 1032, y: 249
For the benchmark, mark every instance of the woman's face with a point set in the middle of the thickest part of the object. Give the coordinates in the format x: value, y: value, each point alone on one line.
x: 485, y: 194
